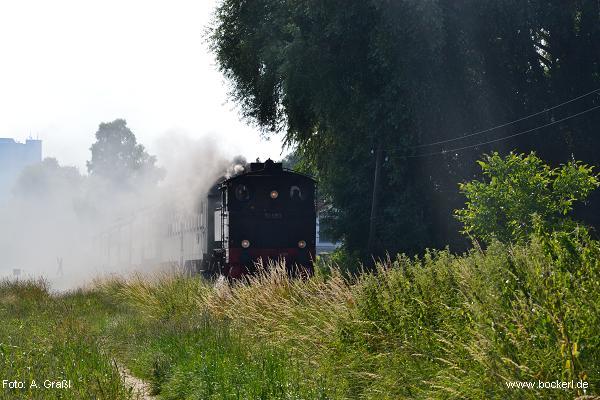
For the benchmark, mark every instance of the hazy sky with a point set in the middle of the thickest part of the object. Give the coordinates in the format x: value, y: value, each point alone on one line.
x: 67, y: 65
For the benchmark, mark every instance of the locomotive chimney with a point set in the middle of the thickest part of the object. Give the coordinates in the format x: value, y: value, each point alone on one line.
x: 268, y: 165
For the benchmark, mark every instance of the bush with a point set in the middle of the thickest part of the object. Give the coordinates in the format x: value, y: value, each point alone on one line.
x: 450, y: 326
x: 515, y: 189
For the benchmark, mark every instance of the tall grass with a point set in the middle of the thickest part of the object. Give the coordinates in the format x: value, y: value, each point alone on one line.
x: 443, y: 326
x: 173, y: 341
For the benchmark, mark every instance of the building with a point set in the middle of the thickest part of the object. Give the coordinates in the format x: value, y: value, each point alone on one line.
x: 14, y: 157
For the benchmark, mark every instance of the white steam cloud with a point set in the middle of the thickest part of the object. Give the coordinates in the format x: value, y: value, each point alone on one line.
x: 70, y: 228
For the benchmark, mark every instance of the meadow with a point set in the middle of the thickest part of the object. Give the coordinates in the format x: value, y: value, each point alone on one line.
x: 440, y: 326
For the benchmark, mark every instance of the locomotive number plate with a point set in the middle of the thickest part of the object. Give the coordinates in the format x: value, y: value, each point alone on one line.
x: 273, y: 215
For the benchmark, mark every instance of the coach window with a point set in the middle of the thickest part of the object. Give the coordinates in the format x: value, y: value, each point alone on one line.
x: 295, y: 193
x: 242, y: 193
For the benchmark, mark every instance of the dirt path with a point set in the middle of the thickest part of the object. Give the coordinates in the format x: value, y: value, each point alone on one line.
x: 140, y: 389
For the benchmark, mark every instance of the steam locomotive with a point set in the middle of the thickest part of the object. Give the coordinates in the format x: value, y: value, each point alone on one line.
x: 265, y: 213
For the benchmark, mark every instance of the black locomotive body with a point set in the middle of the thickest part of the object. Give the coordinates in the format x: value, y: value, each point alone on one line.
x: 267, y: 213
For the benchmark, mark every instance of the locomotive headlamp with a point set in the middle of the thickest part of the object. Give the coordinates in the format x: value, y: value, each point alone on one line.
x: 302, y: 244
x: 274, y: 194
x: 245, y: 243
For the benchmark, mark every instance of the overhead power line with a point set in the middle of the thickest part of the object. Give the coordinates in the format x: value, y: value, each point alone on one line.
x: 506, y: 137
x: 507, y: 123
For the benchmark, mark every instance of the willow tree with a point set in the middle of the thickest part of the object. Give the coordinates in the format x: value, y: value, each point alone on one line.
x: 357, y: 85
x: 327, y: 75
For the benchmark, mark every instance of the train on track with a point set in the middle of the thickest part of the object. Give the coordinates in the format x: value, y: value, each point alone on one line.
x: 267, y: 213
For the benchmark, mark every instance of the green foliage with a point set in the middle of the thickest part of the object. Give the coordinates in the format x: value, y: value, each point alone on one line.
x: 462, y: 327
x: 343, y: 259
x: 340, y: 77
x: 335, y: 107
x: 117, y: 157
x: 48, y: 179
x: 521, y: 194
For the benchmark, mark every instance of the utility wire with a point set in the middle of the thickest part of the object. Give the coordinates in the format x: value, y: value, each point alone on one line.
x: 505, y: 137
x: 505, y: 124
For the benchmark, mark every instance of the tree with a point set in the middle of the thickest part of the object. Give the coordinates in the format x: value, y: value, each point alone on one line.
x: 333, y: 82
x: 358, y: 85
x: 47, y: 180
x: 519, y: 194
x: 117, y: 157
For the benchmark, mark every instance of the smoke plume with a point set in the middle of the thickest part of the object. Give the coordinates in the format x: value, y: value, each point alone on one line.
x: 69, y: 228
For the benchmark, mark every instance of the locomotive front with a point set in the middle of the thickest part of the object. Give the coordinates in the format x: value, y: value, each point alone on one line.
x: 268, y: 213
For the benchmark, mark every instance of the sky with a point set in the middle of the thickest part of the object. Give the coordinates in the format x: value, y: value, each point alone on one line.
x: 67, y: 65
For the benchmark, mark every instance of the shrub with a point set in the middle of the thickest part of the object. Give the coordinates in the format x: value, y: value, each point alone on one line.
x: 516, y: 188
